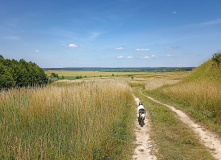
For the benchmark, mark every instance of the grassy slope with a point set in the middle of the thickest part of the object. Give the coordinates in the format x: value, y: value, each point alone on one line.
x: 205, y: 72
x: 199, y: 95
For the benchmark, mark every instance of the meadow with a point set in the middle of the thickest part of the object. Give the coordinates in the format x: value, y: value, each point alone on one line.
x: 93, y: 117
x: 84, y: 120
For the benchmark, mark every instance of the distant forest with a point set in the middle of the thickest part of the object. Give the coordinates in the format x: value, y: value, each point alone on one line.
x: 20, y: 74
x: 144, y: 69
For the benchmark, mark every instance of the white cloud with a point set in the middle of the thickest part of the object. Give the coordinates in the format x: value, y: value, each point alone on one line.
x: 173, y: 47
x: 73, y: 45
x: 130, y: 57
x: 36, y: 51
x: 120, y: 48
x: 168, y: 55
x: 12, y: 38
x: 139, y: 49
x: 213, y: 22
x: 120, y: 57
x: 148, y: 57
x: 206, y: 23
x: 94, y: 35
x: 174, y: 12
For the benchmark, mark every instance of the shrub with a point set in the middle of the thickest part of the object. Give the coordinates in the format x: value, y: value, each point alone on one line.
x: 216, y: 59
x: 78, y: 77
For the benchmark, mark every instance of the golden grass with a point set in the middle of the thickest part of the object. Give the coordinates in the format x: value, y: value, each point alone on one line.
x: 88, y: 120
x: 151, y: 81
x: 199, y: 93
x: 203, y: 96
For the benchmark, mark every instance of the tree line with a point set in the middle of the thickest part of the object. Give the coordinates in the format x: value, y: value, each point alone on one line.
x: 20, y: 73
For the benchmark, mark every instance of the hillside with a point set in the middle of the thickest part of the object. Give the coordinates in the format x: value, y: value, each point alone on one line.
x: 199, y: 94
x: 207, y: 71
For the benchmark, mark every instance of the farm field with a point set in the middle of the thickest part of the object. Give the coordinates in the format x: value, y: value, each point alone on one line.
x: 140, y: 76
x: 88, y: 74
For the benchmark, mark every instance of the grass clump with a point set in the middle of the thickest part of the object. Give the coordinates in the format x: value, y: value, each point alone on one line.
x: 90, y: 120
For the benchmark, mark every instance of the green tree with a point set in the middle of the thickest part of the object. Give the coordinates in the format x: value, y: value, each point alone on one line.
x: 22, y: 73
x: 6, y: 80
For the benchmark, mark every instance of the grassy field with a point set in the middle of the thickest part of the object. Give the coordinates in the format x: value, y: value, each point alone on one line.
x: 92, y: 118
x: 87, y: 120
x: 89, y: 74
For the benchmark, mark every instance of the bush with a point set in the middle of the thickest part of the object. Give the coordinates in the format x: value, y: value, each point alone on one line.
x: 78, y: 77
x: 54, y: 75
x: 216, y: 59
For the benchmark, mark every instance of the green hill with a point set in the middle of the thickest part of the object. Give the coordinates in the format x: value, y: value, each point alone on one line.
x: 209, y: 71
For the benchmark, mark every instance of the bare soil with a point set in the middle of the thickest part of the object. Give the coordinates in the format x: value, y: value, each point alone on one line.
x: 144, y: 146
x: 208, y: 139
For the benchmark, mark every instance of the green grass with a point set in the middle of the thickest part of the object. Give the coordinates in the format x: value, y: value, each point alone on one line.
x: 207, y: 72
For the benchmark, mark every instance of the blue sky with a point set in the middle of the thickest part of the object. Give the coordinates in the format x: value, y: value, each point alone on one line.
x: 110, y: 33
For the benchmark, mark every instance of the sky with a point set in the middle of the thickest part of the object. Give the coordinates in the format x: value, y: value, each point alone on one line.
x: 110, y: 33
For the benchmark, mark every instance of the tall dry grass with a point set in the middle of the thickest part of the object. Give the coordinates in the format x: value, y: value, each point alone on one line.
x: 204, y: 96
x: 78, y: 121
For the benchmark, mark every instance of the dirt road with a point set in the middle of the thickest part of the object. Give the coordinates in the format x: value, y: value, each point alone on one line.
x: 144, y: 149
x: 208, y: 139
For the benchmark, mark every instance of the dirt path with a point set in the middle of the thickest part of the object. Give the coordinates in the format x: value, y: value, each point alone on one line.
x: 144, y: 147
x: 208, y: 138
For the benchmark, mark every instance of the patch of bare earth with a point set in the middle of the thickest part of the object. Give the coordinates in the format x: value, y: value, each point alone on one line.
x: 144, y: 148
x: 208, y: 139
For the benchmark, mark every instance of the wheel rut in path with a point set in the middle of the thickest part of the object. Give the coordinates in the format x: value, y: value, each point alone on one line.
x: 208, y: 139
x: 144, y: 148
